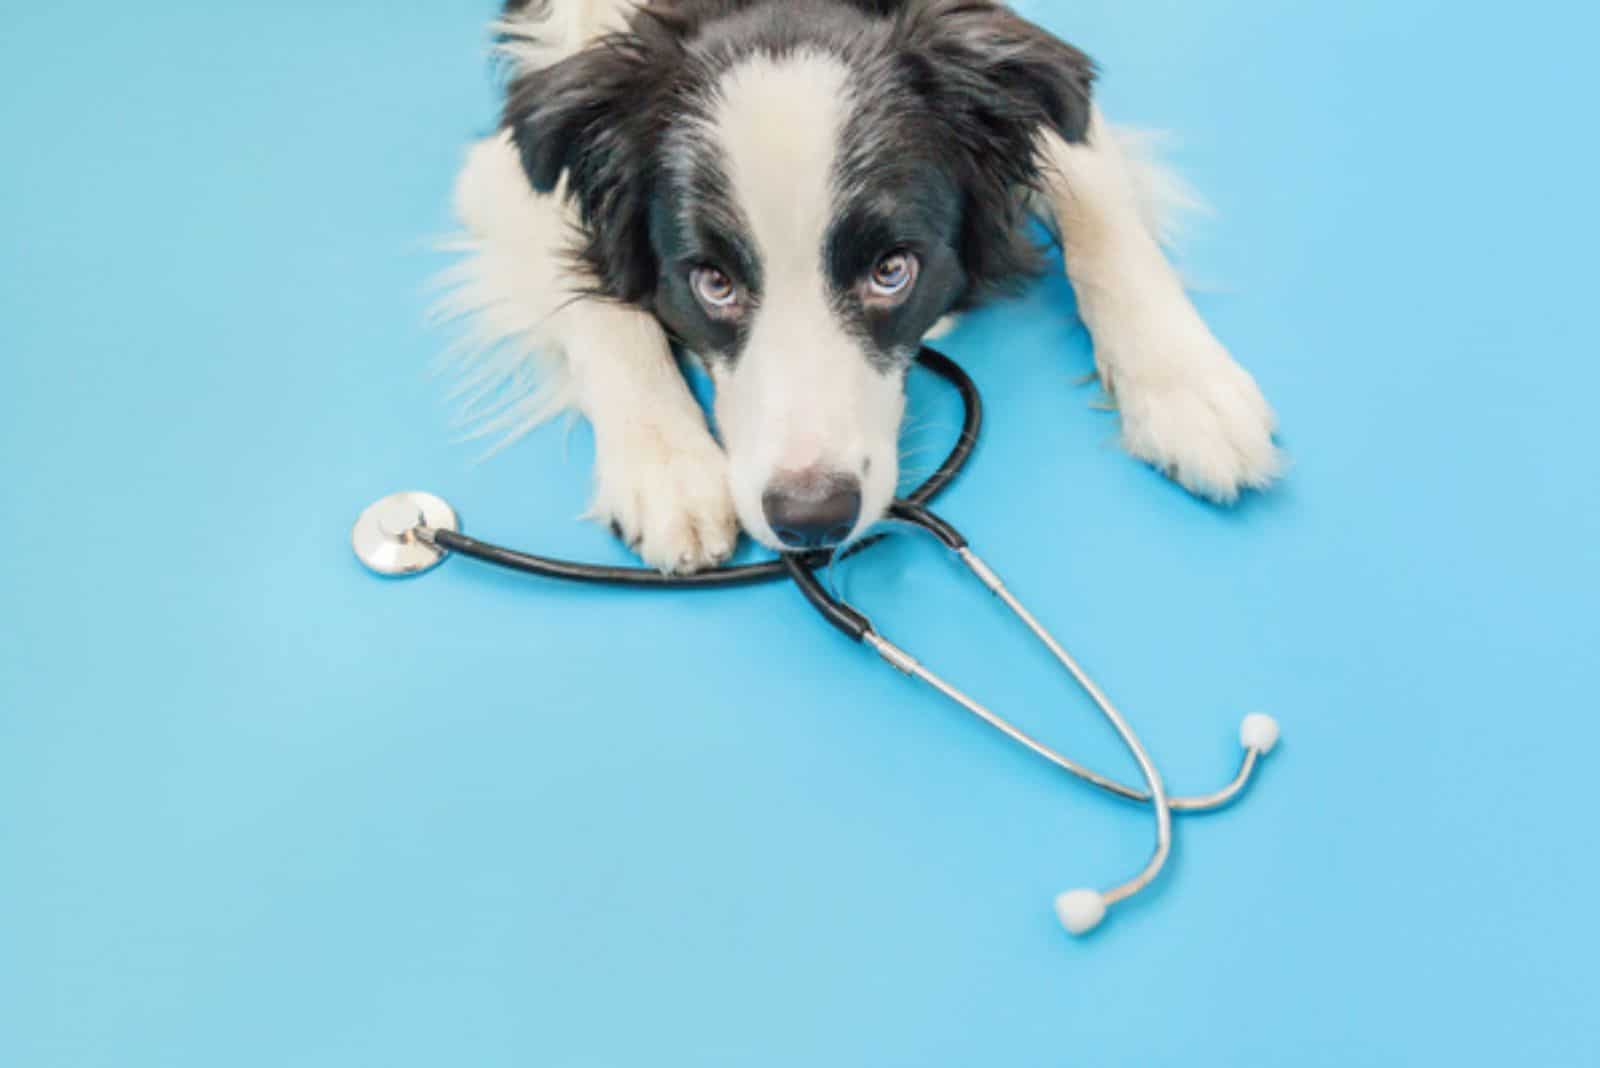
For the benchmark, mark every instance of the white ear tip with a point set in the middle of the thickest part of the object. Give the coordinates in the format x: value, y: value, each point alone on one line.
x: 1081, y: 910
x: 1259, y: 733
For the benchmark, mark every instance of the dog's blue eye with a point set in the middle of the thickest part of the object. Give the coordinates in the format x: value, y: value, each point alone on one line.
x: 714, y: 287
x: 894, y: 274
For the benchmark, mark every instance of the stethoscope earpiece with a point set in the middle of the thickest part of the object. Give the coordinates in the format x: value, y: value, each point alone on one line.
x: 1259, y: 732
x: 1081, y: 911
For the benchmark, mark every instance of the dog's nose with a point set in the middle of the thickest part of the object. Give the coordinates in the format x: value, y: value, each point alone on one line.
x: 809, y: 510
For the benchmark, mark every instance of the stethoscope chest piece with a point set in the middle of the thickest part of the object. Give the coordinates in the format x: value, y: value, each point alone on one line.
x: 389, y: 537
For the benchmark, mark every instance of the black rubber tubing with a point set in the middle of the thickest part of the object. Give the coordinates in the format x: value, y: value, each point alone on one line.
x: 750, y: 574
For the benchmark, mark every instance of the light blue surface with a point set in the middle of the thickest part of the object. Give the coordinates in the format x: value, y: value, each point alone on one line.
x: 257, y: 808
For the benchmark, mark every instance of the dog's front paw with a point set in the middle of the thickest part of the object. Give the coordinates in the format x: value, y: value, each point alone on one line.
x: 1200, y: 418
x: 667, y: 496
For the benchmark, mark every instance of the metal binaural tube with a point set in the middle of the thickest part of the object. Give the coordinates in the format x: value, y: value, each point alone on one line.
x: 1080, y: 910
x: 907, y: 664
x: 1147, y: 768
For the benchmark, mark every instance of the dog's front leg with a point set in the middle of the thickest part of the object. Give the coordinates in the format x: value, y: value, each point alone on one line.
x: 1186, y: 406
x: 661, y: 481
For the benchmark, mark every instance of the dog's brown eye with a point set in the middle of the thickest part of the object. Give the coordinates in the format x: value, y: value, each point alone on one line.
x: 714, y: 288
x: 894, y: 274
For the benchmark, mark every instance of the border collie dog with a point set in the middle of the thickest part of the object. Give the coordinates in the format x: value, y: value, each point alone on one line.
x: 796, y: 193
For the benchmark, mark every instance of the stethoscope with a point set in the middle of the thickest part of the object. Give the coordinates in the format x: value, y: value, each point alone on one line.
x: 410, y: 533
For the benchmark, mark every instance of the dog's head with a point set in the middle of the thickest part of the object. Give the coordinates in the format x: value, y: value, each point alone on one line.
x: 799, y: 190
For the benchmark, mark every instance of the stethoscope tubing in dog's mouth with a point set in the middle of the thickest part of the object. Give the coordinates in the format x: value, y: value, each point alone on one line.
x: 410, y: 533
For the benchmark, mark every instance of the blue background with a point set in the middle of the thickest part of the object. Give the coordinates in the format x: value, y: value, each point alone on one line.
x: 257, y: 808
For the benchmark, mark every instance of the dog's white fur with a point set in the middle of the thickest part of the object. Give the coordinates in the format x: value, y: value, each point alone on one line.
x: 661, y: 478
x: 778, y: 123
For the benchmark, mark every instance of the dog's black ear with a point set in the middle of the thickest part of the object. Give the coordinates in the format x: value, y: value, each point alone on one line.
x: 994, y: 83
x: 1000, y: 75
x: 594, y: 117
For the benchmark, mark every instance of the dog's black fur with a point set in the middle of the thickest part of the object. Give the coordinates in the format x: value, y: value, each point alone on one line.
x: 954, y: 94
